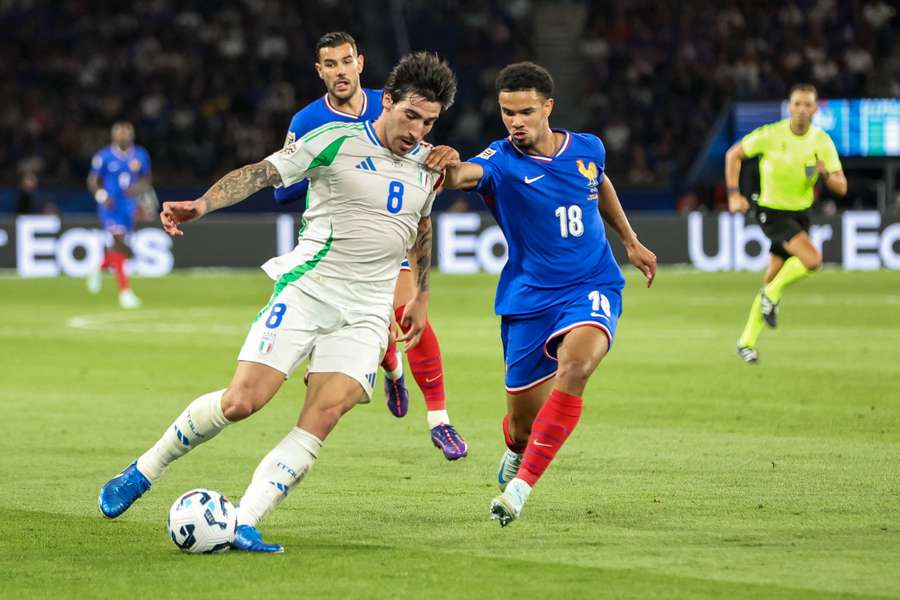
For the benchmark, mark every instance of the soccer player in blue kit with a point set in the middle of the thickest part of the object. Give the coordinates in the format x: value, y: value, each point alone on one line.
x: 339, y: 65
x: 560, y: 293
x: 119, y: 173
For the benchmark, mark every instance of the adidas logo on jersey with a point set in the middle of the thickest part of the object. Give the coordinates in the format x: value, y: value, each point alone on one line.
x: 367, y: 165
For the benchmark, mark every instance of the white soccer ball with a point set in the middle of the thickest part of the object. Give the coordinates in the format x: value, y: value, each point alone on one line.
x: 202, y: 521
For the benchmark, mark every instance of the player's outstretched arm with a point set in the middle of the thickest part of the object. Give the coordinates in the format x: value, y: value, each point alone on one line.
x: 415, y: 315
x: 231, y: 189
x: 611, y: 210
x: 463, y: 176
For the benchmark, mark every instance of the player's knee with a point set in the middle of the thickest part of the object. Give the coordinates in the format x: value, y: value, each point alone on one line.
x: 240, y: 401
x: 812, y: 262
x: 575, y: 372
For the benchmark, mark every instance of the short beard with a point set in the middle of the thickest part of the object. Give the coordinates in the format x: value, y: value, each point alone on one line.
x: 524, y: 146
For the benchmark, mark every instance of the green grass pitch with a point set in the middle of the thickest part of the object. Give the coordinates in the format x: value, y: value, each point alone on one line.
x: 690, y: 474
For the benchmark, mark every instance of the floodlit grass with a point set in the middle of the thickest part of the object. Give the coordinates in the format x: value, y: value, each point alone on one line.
x: 690, y: 474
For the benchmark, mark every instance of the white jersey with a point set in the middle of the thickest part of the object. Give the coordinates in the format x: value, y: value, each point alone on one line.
x: 362, y: 210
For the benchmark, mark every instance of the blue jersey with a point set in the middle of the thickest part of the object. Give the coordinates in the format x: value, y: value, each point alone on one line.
x: 315, y: 115
x: 548, y: 209
x: 118, y: 171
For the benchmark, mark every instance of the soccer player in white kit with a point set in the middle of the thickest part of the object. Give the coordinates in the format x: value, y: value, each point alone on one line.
x: 371, y: 191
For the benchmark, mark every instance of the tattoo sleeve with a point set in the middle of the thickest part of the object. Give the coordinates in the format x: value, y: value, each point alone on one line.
x: 422, y: 251
x: 239, y: 184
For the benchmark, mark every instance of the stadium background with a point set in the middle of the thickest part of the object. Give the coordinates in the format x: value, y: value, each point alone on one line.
x: 690, y: 475
x: 213, y: 86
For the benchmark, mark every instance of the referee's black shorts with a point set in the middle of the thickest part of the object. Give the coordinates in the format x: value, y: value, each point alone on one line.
x: 782, y: 225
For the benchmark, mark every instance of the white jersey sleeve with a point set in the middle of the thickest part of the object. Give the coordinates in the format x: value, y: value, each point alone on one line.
x: 318, y: 148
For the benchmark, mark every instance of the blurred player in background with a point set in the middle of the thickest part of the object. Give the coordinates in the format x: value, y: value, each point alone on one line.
x: 339, y: 65
x: 120, y: 173
x: 560, y: 292
x: 333, y: 293
x: 794, y: 154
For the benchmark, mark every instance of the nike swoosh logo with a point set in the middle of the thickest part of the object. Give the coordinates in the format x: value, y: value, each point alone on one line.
x: 533, y: 179
x: 432, y: 380
x: 537, y: 443
x: 593, y: 314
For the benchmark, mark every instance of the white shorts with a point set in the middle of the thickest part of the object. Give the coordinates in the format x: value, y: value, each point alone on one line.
x: 296, y: 324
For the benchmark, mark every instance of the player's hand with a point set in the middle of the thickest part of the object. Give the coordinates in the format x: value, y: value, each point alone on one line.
x: 442, y: 157
x: 820, y: 167
x: 737, y: 202
x: 413, y: 321
x: 175, y: 213
x: 394, y: 331
x: 642, y: 258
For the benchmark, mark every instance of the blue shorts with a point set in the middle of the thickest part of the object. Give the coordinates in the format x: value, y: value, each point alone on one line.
x: 530, y: 341
x: 119, y: 220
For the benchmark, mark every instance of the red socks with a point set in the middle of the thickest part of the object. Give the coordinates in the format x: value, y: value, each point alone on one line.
x: 116, y: 261
x: 426, y: 366
x: 390, y: 360
x: 518, y: 448
x: 553, y: 424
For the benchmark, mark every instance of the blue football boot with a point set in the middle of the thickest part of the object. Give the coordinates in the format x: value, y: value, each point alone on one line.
x: 397, y: 396
x: 248, y: 539
x: 121, y: 491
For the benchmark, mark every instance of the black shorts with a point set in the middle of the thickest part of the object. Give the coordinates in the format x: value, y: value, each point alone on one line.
x: 781, y: 226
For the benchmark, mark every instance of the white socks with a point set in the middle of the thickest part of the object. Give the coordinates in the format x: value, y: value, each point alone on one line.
x: 436, y: 417
x: 201, y: 421
x: 281, y: 469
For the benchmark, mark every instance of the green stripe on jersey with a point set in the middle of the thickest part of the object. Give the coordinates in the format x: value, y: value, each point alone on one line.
x: 326, y: 156
x: 296, y: 273
x: 329, y: 127
x: 323, y: 159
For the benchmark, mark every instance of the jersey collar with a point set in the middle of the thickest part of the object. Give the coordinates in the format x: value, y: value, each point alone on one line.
x: 370, y: 133
x: 562, y: 148
x: 119, y: 154
x: 336, y: 111
x: 373, y: 137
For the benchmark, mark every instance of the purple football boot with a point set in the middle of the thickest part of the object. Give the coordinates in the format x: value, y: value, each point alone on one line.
x: 449, y: 441
x: 397, y: 396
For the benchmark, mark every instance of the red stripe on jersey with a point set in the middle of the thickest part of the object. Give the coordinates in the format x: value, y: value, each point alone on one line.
x: 440, y: 181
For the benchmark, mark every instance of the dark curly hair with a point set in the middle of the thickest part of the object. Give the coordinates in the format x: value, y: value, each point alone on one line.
x: 523, y: 76
x: 423, y: 74
x: 334, y: 39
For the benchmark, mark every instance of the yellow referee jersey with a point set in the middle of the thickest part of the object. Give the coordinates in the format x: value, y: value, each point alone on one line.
x: 787, y: 165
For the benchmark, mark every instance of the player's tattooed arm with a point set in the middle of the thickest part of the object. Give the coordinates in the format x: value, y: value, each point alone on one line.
x: 231, y: 189
x: 422, y: 251
x: 415, y: 313
x: 611, y: 211
x: 239, y: 184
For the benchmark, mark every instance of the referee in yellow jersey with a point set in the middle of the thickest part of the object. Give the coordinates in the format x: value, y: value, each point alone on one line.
x: 794, y: 154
